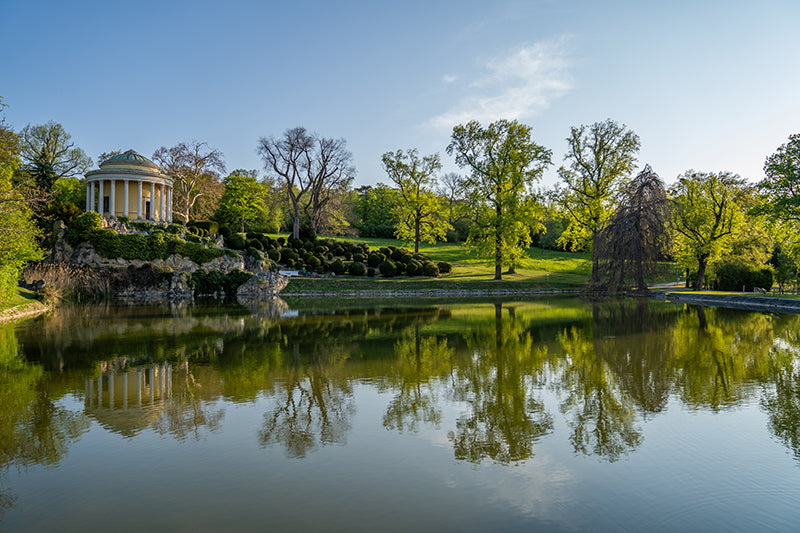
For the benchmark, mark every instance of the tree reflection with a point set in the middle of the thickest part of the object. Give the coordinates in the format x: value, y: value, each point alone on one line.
x: 315, y: 406
x: 603, y: 415
x: 418, y: 361
x: 719, y: 357
x: 505, y: 420
x: 781, y: 397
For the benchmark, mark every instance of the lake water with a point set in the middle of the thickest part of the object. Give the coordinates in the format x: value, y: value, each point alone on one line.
x: 535, y: 415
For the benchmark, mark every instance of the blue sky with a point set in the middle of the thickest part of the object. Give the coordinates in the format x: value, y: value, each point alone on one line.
x: 708, y: 86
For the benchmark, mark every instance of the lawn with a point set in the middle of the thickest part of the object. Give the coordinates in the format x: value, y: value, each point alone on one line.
x: 541, y: 269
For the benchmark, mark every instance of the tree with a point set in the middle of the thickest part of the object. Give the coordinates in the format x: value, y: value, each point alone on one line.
x: 706, y: 214
x: 375, y: 210
x: 243, y: 199
x: 504, y: 163
x: 48, y: 153
x: 781, y: 186
x: 635, y: 237
x: 195, y: 169
x: 18, y: 233
x: 600, y: 157
x: 319, y: 166
x: 418, y: 211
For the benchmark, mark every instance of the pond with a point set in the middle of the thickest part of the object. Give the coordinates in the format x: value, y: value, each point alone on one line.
x: 533, y: 415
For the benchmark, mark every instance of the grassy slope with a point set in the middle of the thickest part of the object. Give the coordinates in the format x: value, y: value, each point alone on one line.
x: 543, y: 269
x: 24, y: 303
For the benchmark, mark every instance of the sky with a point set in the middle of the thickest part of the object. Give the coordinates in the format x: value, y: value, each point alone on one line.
x: 707, y: 85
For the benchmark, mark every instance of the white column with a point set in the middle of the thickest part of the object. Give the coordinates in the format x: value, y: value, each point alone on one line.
x: 169, y: 204
x: 91, y: 200
x: 125, y: 205
x: 162, y: 204
x: 100, y: 199
x: 87, y: 197
x: 112, y: 209
x: 152, y: 201
x: 139, y: 205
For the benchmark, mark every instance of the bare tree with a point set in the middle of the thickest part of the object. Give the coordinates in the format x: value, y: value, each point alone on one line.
x: 309, y: 164
x: 636, y: 236
x: 195, y: 168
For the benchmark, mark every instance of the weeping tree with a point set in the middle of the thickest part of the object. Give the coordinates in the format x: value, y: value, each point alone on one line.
x: 628, y: 248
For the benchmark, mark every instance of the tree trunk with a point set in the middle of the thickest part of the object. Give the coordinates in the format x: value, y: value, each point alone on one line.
x: 296, y: 222
x: 702, y: 262
x: 416, y: 236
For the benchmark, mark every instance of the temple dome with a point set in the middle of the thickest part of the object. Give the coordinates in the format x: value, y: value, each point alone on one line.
x: 131, y: 158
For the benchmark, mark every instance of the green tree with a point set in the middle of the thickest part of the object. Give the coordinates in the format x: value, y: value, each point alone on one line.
x: 781, y: 186
x: 48, y: 154
x: 242, y: 201
x: 600, y: 158
x: 18, y: 233
x: 194, y: 168
x: 418, y: 212
x: 374, y: 210
x: 504, y: 163
x: 706, y: 214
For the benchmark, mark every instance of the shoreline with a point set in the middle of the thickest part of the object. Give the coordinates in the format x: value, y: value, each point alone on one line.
x: 445, y: 293
x: 21, y: 311
x: 733, y: 301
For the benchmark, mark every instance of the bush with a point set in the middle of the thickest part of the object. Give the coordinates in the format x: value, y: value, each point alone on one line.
x: 287, y: 254
x: 105, y: 242
x: 370, y: 272
x: 274, y: 254
x: 175, y: 229
x: 359, y: 257
x: 734, y: 275
x: 209, y: 226
x: 83, y: 226
x: 375, y: 259
x: 356, y: 269
x: 337, y: 267
x: 313, y: 262
x: 444, y: 267
x: 197, y: 252
x: 236, y: 241
x: 388, y: 268
x: 429, y: 269
x: 413, y: 268
x: 215, y: 282
x: 401, y: 268
x: 225, y: 232
x: 255, y: 243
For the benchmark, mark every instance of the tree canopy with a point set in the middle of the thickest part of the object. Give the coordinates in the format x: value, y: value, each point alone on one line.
x: 418, y: 211
x: 706, y: 214
x: 504, y: 163
x: 242, y: 201
x: 600, y: 157
x: 781, y: 186
x: 48, y: 154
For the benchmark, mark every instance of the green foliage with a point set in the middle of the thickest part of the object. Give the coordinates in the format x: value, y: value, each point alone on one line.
x: 504, y: 163
x: 706, y: 215
x: 70, y: 190
x: 418, y: 211
x: 215, y: 282
x: 236, y: 241
x: 388, y: 268
x: 175, y: 229
x: 242, y: 201
x: 601, y: 158
x: 737, y: 276
x: 444, y: 267
x: 64, y: 211
x: 49, y: 154
x: 375, y: 211
x: 337, y: 267
x: 430, y: 269
x: 356, y: 269
x: 781, y: 186
x: 82, y: 227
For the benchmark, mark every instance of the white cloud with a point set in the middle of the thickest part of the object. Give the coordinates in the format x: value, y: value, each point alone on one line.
x: 449, y: 78
x: 517, y: 85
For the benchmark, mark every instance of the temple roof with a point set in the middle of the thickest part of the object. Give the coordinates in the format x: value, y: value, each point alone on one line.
x: 130, y: 158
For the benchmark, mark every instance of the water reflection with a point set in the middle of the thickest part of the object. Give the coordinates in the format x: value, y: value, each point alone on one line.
x: 610, y: 367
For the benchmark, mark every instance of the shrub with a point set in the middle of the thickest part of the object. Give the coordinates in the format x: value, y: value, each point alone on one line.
x: 321, y: 250
x: 274, y: 254
x: 281, y: 241
x: 225, y: 232
x: 734, y: 275
x: 413, y: 268
x: 287, y: 254
x: 356, y: 269
x: 360, y: 257
x: 197, y: 252
x: 83, y: 226
x: 370, y: 272
x: 444, y: 267
x: 401, y: 268
x: 175, y: 229
x: 337, y: 267
x: 105, y: 242
x: 429, y: 269
x: 215, y: 282
x: 236, y: 241
x: 255, y: 243
x: 209, y: 226
x: 313, y: 262
x: 388, y: 268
